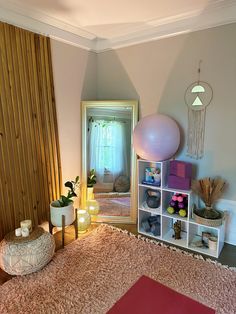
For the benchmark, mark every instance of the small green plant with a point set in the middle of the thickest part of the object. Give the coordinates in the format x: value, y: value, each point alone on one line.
x: 72, y: 185
x: 92, y: 179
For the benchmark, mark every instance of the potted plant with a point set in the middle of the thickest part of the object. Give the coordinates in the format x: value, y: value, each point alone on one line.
x: 64, y: 205
x: 91, y: 180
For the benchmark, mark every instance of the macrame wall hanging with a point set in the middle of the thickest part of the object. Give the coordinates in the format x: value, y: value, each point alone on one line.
x: 197, y: 97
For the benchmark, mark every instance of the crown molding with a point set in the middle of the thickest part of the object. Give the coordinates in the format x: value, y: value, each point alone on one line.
x: 218, y: 13
x: 41, y: 23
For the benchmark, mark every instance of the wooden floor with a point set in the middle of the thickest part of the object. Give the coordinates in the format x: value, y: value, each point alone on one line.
x: 227, y: 257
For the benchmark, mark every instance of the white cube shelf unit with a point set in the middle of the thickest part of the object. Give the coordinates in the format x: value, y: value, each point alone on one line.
x: 191, y: 232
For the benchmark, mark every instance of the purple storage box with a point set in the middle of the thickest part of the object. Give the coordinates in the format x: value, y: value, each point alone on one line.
x: 180, y: 169
x: 180, y: 183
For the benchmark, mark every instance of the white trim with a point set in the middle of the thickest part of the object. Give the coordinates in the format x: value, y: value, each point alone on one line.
x: 217, y: 13
x: 37, y: 15
x: 176, y: 25
x: 42, y: 24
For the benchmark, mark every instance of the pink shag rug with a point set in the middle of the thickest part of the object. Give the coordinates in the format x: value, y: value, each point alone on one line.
x: 91, y: 274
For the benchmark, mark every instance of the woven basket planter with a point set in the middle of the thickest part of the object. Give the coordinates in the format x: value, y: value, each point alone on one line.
x: 209, y: 222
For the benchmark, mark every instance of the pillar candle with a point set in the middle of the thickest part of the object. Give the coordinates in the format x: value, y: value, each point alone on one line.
x: 93, y: 207
x: 18, y: 232
x: 26, y: 224
x: 25, y: 232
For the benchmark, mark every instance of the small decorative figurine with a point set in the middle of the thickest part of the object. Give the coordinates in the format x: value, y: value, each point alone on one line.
x: 177, y: 230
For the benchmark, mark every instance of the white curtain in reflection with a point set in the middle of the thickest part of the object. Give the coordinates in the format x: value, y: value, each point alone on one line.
x: 108, y: 148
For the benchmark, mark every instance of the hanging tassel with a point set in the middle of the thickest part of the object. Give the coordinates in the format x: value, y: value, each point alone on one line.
x: 196, y: 131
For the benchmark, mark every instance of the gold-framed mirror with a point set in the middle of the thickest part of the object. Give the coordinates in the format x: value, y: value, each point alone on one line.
x: 107, y: 129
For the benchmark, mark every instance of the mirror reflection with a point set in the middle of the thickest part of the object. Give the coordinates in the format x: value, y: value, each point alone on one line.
x: 109, y: 158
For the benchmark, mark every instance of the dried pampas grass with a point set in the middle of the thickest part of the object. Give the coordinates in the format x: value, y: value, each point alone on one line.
x: 209, y: 190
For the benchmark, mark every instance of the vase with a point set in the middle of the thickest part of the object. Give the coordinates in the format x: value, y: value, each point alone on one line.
x: 56, y: 213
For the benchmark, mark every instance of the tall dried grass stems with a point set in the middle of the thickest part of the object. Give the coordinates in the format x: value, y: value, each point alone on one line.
x: 209, y: 190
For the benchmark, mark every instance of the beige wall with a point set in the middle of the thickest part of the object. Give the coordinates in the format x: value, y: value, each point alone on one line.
x: 158, y: 73
x: 74, y: 71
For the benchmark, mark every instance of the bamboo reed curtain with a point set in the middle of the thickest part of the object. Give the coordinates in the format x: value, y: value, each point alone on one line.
x: 30, y: 171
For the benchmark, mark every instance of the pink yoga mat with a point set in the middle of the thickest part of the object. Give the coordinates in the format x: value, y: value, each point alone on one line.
x: 148, y: 296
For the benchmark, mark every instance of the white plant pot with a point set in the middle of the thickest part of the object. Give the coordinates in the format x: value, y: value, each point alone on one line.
x: 57, y: 212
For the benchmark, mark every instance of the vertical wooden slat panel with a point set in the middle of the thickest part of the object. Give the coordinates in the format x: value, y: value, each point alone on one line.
x: 51, y: 140
x: 34, y: 134
x: 30, y: 170
x: 53, y: 118
x: 13, y: 190
x: 18, y: 94
x: 43, y: 111
x: 5, y: 215
x: 4, y: 191
x: 50, y: 117
x: 38, y: 125
x: 27, y: 139
x: 10, y: 47
x: 50, y: 122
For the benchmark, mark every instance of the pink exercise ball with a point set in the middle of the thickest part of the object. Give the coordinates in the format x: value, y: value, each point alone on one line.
x: 156, y: 137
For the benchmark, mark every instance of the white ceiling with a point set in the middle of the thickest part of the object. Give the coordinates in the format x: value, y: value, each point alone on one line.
x: 104, y: 24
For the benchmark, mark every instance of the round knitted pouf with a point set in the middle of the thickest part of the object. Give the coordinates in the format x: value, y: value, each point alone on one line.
x: 26, y: 255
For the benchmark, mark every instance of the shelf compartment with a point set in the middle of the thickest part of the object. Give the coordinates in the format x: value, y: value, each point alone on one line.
x: 143, y: 222
x: 168, y: 231
x: 151, y: 175
x: 150, y: 210
x: 142, y: 191
x: 150, y: 186
x: 195, y: 235
x: 167, y: 198
x: 143, y: 179
x: 202, y: 250
x: 192, y: 221
x: 174, y: 216
x: 166, y: 188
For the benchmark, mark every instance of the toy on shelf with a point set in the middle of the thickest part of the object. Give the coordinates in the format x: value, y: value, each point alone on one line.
x: 177, y: 230
x: 178, y: 205
x: 180, y: 175
x: 152, y: 224
x: 152, y: 176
